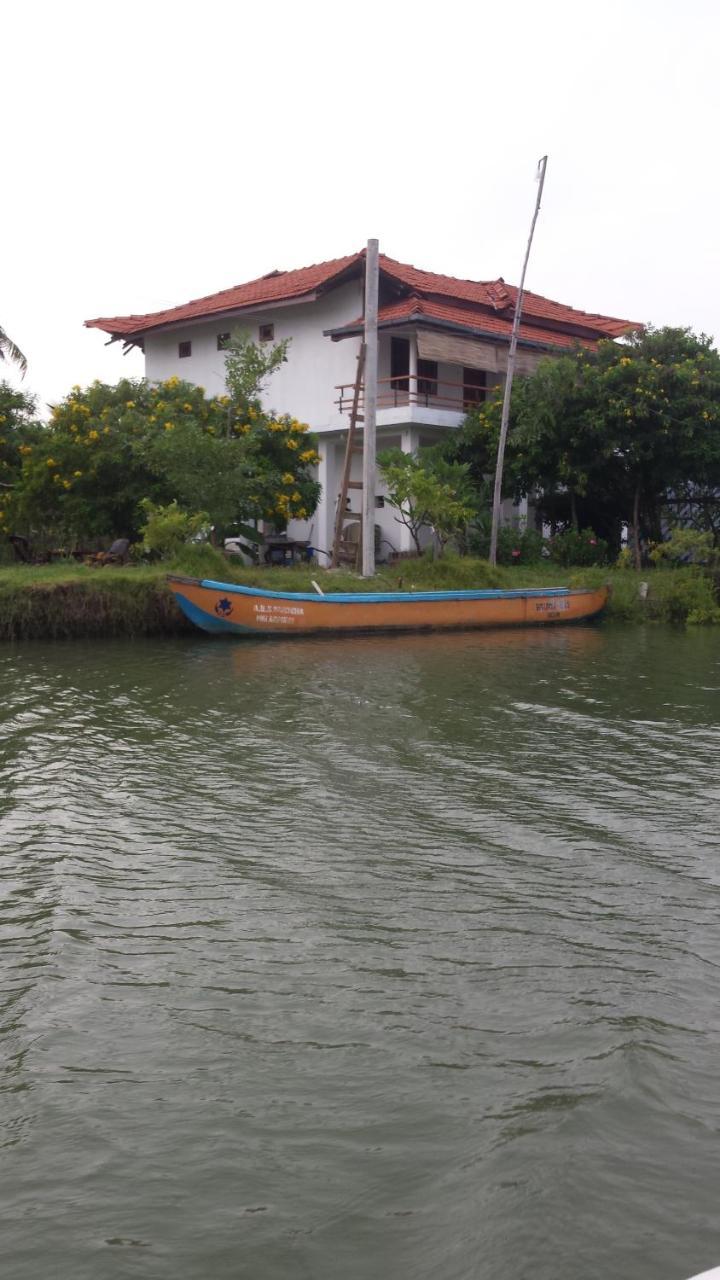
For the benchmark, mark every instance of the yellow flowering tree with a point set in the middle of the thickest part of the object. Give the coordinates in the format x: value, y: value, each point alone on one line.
x: 107, y: 448
x: 86, y: 472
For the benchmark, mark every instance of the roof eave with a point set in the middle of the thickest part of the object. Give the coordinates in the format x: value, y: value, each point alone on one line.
x: 417, y: 318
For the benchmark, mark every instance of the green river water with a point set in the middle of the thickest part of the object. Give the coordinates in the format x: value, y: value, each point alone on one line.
x: 388, y: 957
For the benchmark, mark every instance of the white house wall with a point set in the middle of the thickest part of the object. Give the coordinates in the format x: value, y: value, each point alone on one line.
x: 304, y: 386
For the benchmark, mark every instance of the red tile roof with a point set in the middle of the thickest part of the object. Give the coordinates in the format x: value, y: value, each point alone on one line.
x: 476, y: 304
x: 471, y: 319
x: 276, y: 286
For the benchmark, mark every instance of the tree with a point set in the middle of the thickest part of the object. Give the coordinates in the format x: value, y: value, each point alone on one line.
x: 427, y: 490
x: 9, y: 351
x: 106, y: 448
x: 248, y: 366
x: 609, y: 436
x: 19, y: 430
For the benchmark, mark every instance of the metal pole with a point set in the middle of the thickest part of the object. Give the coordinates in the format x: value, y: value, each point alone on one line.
x: 370, y: 408
x: 505, y: 417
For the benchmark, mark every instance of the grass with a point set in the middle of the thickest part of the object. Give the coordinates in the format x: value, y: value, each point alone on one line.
x: 67, y: 600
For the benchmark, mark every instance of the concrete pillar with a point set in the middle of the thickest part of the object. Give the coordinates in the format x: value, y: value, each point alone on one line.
x: 324, y: 518
x: 409, y: 443
x: 413, y: 397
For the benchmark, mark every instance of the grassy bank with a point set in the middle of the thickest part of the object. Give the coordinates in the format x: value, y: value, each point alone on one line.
x: 66, y: 600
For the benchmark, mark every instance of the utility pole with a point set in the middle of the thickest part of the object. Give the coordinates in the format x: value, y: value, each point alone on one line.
x: 497, y: 491
x: 370, y: 407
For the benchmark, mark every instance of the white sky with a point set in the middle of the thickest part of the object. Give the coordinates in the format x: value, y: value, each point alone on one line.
x: 158, y: 150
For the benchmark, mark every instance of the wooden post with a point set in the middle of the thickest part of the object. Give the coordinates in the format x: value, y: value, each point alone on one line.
x: 505, y: 417
x: 370, y: 408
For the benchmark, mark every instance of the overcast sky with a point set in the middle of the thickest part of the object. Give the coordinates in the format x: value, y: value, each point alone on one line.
x: 156, y: 151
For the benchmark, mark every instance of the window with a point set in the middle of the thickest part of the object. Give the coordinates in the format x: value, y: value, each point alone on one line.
x: 267, y: 332
x: 474, y: 387
x: 184, y: 349
x: 223, y: 341
x: 400, y: 364
x: 427, y: 377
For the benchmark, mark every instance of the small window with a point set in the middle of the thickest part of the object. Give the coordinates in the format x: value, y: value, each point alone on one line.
x: 184, y: 349
x: 223, y: 341
x: 474, y: 387
x: 267, y: 332
x: 427, y: 377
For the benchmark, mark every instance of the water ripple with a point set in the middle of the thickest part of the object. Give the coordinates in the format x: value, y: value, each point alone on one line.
x: 396, y: 956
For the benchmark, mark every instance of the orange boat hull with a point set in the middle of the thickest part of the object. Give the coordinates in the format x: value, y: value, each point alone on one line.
x: 226, y: 608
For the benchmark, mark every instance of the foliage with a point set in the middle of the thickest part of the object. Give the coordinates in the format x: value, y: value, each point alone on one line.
x: 514, y: 546
x: 9, y: 351
x: 19, y: 429
x: 248, y: 365
x: 107, y: 448
x: 612, y: 436
x: 578, y: 547
x: 166, y: 528
x: 687, y: 546
x: 427, y: 490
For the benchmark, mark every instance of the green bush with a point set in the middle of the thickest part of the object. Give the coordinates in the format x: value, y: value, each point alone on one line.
x: 686, y: 546
x: 581, y: 547
x: 687, y: 597
x: 514, y: 546
x: 167, y: 529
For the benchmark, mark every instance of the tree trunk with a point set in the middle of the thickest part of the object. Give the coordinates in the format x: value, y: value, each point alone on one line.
x: 636, y: 527
x: 573, y: 512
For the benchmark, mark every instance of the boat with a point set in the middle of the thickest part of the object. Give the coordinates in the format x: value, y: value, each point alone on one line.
x: 228, y: 609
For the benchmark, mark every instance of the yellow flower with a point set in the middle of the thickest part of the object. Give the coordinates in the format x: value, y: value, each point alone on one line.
x: 292, y: 444
x: 106, y: 431
x: 57, y: 478
x: 67, y: 484
x: 309, y: 456
x: 169, y: 426
x: 129, y: 404
x: 73, y: 428
x: 296, y: 497
x: 288, y: 477
x: 301, y: 513
x: 77, y: 474
x: 51, y: 462
x: 187, y: 408
x: 25, y: 448
x: 93, y: 435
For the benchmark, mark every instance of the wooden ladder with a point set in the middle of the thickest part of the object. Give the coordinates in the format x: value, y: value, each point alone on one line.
x: 343, y: 549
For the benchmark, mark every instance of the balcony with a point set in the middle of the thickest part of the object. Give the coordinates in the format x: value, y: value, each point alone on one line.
x: 419, y: 398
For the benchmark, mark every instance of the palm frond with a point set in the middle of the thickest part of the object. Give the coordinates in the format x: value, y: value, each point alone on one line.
x: 8, y: 351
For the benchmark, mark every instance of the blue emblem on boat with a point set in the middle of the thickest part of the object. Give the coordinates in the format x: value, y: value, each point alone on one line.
x: 223, y: 607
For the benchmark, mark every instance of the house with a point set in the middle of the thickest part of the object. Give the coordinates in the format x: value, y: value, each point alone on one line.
x: 442, y: 347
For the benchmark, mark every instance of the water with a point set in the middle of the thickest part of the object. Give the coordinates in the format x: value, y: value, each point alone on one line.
x: 380, y: 958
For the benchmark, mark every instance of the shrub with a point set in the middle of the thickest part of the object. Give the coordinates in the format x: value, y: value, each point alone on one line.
x: 581, y: 547
x: 514, y: 546
x: 167, y: 529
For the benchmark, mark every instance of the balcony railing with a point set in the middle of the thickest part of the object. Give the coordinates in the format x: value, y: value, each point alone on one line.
x: 431, y: 393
